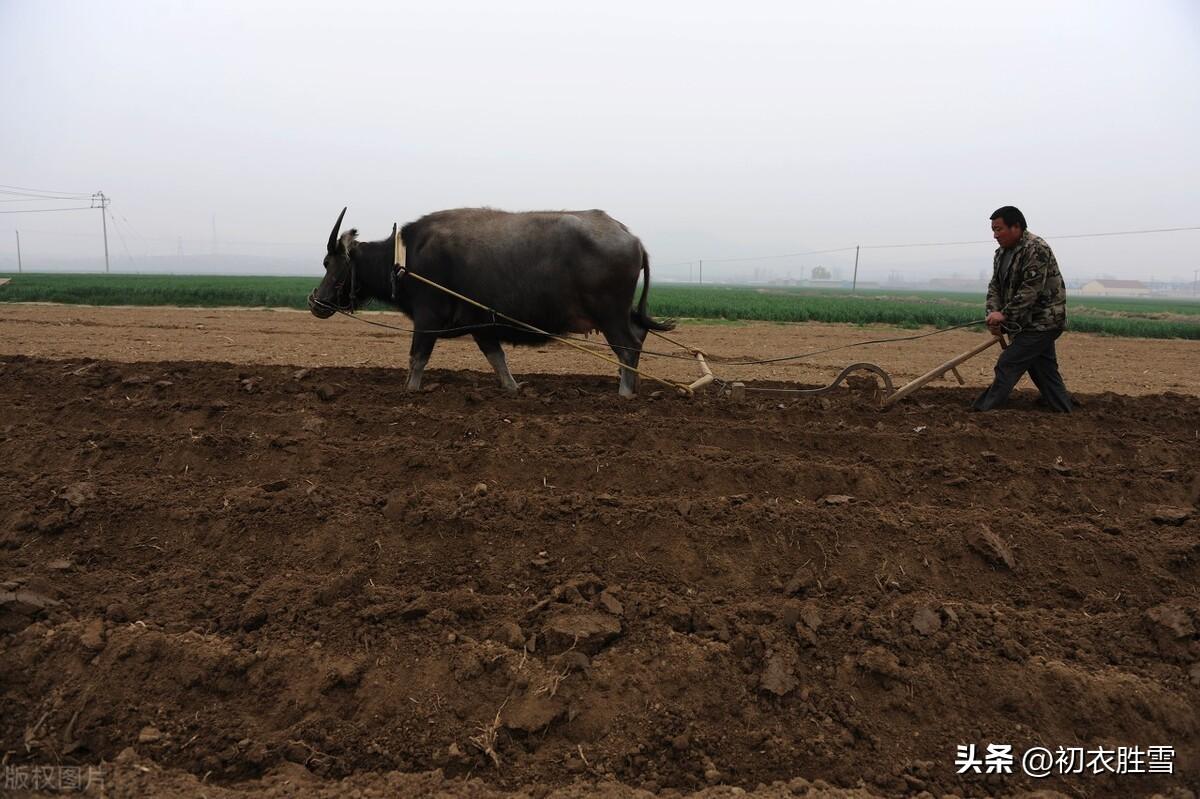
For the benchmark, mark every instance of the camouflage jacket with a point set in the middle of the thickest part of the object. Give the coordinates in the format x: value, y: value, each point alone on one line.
x: 1032, y: 294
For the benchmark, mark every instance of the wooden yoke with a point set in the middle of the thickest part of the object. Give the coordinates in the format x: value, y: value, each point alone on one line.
x: 398, y: 250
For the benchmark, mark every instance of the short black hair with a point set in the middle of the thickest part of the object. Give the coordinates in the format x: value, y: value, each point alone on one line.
x: 1011, y: 216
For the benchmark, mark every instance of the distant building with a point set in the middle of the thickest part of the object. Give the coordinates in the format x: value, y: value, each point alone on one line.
x: 1115, y: 288
x: 822, y: 284
x: 958, y: 284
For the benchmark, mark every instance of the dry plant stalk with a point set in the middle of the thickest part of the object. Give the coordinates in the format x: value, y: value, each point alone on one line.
x: 486, y: 739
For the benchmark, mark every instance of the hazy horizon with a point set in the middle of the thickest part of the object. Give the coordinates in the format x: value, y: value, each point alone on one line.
x: 714, y: 133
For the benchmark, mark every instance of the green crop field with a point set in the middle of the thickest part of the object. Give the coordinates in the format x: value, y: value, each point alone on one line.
x: 1116, y: 317
x: 1150, y: 318
x: 184, y: 290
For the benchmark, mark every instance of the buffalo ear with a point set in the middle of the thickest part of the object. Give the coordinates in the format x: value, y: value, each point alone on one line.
x: 333, y: 237
x: 347, y: 240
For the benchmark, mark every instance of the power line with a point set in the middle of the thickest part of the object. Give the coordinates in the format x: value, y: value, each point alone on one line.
x: 48, y: 210
x: 24, y: 193
x: 57, y: 233
x: 1063, y: 236
x: 32, y: 199
x: 13, y: 193
x: 133, y: 231
x: 1126, y: 232
x: 120, y: 235
x: 44, y: 191
x: 923, y: 244
x: 907, y: 245
x: 133, y: 234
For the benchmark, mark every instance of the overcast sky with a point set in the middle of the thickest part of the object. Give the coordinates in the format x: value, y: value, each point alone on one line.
x: 712, y: 130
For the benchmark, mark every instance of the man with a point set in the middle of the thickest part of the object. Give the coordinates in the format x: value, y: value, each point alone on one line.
x: 1026, y: 297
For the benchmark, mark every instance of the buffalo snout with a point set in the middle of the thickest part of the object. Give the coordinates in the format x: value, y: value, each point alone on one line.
x: 319, y: 309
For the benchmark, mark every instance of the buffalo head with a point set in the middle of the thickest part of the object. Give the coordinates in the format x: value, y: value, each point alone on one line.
x: 337, y: 290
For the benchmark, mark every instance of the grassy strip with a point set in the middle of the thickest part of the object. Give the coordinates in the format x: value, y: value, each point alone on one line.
x: 1115, y: 317
x: 183, y: 290
x: 908, y: 310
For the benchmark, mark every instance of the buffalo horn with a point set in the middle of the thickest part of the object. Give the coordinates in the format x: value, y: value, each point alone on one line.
x: 336, y: 227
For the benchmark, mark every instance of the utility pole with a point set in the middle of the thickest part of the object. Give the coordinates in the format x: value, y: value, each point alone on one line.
x: 701, y: 262
x: 99, y: 197
x: 18, y: 252
x: 854, y: 284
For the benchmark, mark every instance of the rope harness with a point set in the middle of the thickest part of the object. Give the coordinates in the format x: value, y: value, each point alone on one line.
x: 400, y: 271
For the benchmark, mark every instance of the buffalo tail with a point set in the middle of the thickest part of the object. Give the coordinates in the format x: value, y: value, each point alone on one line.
x: 640, y: 314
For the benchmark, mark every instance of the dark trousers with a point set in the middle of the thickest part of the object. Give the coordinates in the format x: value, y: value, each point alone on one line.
x: 1032, y: 352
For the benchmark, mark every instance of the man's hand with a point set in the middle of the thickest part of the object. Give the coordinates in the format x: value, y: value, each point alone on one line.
x: 994, y: 321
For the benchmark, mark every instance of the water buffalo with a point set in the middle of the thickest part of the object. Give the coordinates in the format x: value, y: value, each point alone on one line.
x: 561, y: 271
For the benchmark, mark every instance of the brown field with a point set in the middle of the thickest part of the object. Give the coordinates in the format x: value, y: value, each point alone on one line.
x: 236, y: 559
x: 1090, y: 364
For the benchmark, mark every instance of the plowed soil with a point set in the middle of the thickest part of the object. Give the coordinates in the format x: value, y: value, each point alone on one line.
x: 286, y: 577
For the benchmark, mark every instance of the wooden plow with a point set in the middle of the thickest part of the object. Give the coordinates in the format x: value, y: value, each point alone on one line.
x: 888, y: 395
x: 933, y: 374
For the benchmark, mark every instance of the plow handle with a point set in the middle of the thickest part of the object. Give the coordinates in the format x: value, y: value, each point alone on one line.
x: 934, y: 374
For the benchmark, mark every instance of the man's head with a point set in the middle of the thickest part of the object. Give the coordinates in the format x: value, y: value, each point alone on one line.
x: 1008, y: 223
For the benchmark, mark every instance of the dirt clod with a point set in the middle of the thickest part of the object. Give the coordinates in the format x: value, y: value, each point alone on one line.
x: 531, y: 713
x: 1169, y: 515
x: 992, y: 547
x: 1172, y: 625
x: 149, y: 735
x: 587, y: 631
x: 803, y: 581
x: 926, y: 621
x: 610, y: 604
x: 509, y: 633
x: 778, y: 677
x: 93, y: 635
x: 881, y: 661
x: 79, y: 494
